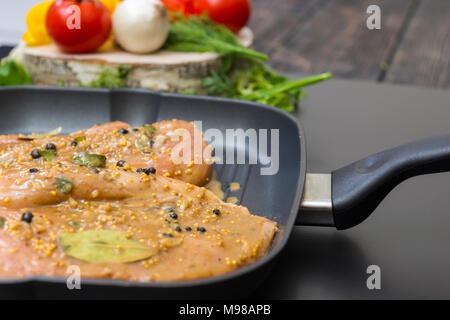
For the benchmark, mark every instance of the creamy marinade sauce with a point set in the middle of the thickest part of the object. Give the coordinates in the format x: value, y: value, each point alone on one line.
x: 104, y: 199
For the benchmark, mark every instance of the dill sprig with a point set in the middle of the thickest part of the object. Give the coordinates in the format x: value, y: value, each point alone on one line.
x: 200, y: 34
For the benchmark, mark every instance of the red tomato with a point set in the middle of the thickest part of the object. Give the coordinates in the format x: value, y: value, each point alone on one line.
x: 232, y: 13
x: 78, y: 27
x: 184, y: 6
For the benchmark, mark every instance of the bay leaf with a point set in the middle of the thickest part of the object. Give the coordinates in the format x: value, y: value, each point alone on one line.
x: 99, y: 246
x: 35, y: 136
x: 89, y: 160
x: 48, y: 155
x: 79, y: 139
x: 2, y: 222
x: 65, y: 186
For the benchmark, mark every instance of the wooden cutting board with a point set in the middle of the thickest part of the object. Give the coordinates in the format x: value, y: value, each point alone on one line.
x: 162, y: 71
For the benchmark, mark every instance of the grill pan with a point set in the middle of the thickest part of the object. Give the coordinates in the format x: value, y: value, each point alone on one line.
x: 341, y: 199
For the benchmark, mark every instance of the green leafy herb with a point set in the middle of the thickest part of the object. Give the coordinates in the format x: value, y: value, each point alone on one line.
x: 35, y: 136
x: 105, y: 246
x: 123, y: 71
x: 79, y: 139
x: 200, y: 34
x: 253, y: 80
x: 48, y: 155
x: 2, y: 222
x: 89, y: 160
x: 149, y: 131
x: 146, y: 144
x: 65, y: 186
x: 110, y: 78
x: 12, y: 73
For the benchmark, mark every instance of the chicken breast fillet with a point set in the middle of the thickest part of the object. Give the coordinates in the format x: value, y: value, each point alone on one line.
x: 124, y: 146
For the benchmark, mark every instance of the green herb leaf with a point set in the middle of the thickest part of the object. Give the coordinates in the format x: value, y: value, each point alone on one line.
x: 254, y: 80
x: 105, y: 246
x: 2, y: 222
x: 35, y: 136
x: 89, y: 160
x: 149, y: 131
x: 123, y: 71
x: 48, y: 155
x: 65, y: 186
x: 200, y: 34
x: 109, y: 78
x: 12, y: 73
x: 146, y: 144
x: 79, y: 139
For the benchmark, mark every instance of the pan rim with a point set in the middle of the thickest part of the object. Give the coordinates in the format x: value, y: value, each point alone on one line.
x: 271, y: 255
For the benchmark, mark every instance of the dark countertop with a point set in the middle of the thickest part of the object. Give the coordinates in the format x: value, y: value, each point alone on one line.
x: 408, y: 236
x: 314, y: 36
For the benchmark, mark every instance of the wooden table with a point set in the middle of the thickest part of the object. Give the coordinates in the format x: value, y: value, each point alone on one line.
x: 312, y: 36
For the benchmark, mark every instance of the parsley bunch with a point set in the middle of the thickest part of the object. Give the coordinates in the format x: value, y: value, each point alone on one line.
x: 253, y: 80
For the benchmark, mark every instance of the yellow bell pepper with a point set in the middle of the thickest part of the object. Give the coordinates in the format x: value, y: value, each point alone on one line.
x: 37, y: 34
x: 110, y: 5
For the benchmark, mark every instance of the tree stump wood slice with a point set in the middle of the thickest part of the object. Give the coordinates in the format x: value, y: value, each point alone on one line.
x: 162, y: 71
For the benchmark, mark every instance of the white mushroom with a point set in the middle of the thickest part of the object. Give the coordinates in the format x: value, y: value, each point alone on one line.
x: 141, y: 26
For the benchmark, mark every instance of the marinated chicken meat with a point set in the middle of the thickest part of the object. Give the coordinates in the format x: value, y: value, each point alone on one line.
x: 123, y: 146
x: 116, y: 221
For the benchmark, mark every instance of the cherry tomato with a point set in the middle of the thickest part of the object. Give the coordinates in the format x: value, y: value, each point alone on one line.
x: 232, y: 13
x: 78, y: 26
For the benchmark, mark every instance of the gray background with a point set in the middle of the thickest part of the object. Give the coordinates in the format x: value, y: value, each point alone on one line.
x: 12, y: 19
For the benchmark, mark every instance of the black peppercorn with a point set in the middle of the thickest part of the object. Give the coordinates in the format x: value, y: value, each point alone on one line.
x: 73, y: 144
x: 123, y: 131
x: 178, y: 229
x: 50, y: 146
x: 27, y: 217
x: 216, y: 212
x: 35, y: 154
x: 96, y: 171
x: 34, y: 170
x: 140, y: 170
x: 173, y: 216
x: 120, y: 163
x: 188, y: 229
x: 167, y: 235
x: 201, y: 229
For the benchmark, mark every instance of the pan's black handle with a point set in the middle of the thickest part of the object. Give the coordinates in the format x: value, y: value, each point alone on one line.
x: 357, y: 189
